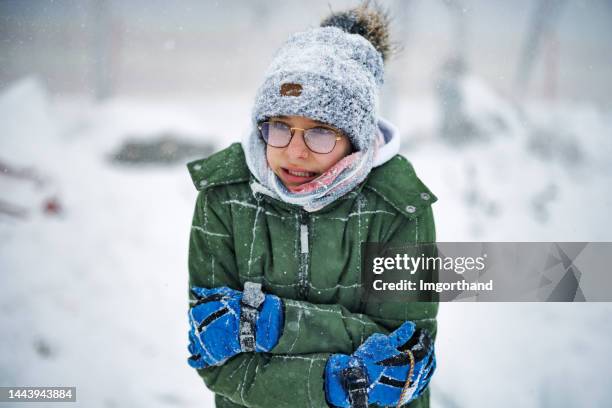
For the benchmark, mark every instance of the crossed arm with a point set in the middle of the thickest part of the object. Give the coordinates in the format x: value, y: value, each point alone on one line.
x: 292, y: 373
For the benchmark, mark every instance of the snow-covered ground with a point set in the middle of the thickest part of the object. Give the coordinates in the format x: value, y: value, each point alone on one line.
x: 95, y: 295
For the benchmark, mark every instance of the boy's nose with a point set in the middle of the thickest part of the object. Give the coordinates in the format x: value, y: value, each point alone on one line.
x: 297, y: 148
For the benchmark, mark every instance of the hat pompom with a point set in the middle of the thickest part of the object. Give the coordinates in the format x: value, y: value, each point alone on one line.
x: 370, y: 23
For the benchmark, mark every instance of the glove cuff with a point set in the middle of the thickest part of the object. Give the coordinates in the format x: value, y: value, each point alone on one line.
x: 261, y: 319
x: 252, y: 299
x: 356, y: 383
x: 346, y: 382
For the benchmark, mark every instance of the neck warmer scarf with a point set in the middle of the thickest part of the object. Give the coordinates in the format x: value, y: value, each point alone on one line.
x: 338, y: 180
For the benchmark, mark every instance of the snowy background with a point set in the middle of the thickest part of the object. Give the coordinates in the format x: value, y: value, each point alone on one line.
x: 93, y: 251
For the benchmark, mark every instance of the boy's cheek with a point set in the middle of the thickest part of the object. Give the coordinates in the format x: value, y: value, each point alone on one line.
x: 270, y: 159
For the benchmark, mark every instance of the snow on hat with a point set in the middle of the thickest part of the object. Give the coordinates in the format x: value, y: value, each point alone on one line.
x: 331, y: 74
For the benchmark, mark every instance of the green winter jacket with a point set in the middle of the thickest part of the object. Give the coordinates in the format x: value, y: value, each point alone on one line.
x: 312, y: 261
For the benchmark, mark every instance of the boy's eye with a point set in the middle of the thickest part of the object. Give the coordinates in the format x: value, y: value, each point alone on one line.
x: 276, y: 134
x: 320, y: 139
x: 280, y: 132
x: 279, y: 126
x: 321, y: 131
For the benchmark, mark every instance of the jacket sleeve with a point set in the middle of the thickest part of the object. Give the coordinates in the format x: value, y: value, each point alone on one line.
x: 251, y: 379
x: 265, y: 380
x: 333, y: 328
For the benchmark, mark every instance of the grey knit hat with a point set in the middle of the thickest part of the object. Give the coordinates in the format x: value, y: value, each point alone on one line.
x: 331, y: 74
x: 328, y: 75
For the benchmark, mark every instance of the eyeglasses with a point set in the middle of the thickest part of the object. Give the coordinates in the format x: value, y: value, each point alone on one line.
x: 320, y: 139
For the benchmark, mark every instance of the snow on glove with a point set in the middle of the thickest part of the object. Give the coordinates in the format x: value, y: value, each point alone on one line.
x: 225, y: 322
x: 376, y: 373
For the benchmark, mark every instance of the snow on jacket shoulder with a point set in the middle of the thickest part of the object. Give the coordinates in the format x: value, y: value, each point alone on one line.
x: 312, y: 261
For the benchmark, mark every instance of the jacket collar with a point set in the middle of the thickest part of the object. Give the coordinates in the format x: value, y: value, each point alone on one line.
x: 394, y: 178
x: 225, y: 167
x: 397, y: 183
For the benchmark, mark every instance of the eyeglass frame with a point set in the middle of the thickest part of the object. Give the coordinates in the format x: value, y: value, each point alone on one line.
x: 292, y: 130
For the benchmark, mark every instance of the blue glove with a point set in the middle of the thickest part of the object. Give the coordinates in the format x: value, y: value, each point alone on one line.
x: 377, y: 371
x: 224, y: 322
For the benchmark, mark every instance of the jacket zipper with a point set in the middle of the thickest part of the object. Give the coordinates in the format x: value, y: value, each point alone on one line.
x: 304, y: 256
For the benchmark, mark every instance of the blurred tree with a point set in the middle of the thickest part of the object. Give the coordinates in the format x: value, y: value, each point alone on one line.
x: 542, y: 23
x: 103, y: 38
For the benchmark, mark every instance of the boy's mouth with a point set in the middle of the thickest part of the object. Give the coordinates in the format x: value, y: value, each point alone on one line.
x: 298, y: 175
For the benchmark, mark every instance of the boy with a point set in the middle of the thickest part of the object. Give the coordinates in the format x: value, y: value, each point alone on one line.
x: 277, y: 317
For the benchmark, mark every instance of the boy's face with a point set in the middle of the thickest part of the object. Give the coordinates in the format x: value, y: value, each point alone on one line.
x: 295, y: 164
